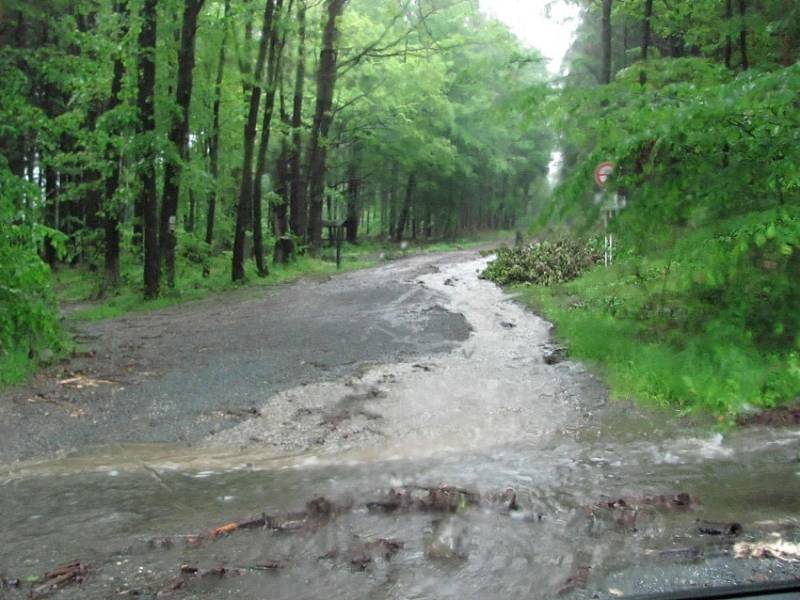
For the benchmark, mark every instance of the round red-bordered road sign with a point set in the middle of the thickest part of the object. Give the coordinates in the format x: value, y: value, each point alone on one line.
x: 602, y: 172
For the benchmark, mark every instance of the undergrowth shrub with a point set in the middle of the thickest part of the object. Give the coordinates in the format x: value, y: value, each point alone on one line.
x: 543, y: 263
x: 195, y: 250
x: 29, y: 326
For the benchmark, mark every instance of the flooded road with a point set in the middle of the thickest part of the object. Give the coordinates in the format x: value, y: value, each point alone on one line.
x: 464, y: 468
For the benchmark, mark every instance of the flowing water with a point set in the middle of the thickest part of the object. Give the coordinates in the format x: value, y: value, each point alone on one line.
x: 491, y: 418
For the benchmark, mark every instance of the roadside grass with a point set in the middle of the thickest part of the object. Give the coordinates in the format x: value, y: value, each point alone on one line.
x: 84, y: 288
x: 626, y: 327
x: 15, y: 367
x: 81, y: 286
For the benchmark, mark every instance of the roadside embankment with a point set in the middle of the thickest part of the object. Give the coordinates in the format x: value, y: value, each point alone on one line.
x: 661, y: 336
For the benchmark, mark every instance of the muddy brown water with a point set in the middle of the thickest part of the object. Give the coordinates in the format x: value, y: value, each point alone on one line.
x: 488, y: 417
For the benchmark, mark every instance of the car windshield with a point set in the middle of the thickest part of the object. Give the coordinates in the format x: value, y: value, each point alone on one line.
x: 399, y: 299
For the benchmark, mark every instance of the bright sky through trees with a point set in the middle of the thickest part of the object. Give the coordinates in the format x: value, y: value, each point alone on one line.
x: 548, y: 25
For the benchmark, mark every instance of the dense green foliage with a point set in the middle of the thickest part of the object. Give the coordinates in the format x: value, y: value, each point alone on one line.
x: 701, y: 307
x: 610, y: 319
x: 543, y: 263
x: 29, y: 327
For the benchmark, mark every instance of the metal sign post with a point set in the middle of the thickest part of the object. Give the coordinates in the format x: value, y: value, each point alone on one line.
x: 609, y: 205
x: 336, y: 236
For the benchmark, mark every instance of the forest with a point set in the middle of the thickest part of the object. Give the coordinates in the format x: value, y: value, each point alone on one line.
x: 399, y: 299
x: 698, y: 106
x: 149, y: 144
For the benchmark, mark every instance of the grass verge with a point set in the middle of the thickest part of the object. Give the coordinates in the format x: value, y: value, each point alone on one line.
x: 77, y: 286
x: 614, y: 320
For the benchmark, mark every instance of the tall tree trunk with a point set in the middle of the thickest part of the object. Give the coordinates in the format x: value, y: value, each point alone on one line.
x: 323, y: 115
x: 280, y: 212
x: 414, y: 221
x: 137, y: 239
x: 178, y: 136
x: 428, y: 221
x: 677, y: 46
x: 147, y: 126
x: 401, y: 222
x: 787, y: 39
x: 743, y: 35
x: 392, y: 199
x: 353, y: 201
x: 52, y: 201
x: 244, y: 56
x: 51, y: 210
x: 605, y: 67
x: 244, y: 211
x: 13, y: 146
x: 385, y: 198
x: 273, y: 70
x: 30, y: 167
x: 213, y: 144
x: 648, y: 16
x: 189, y: 224
x: 90, y: 178
x: 284, y: 247
x: 112, y: 212
x: 625, y: 42
x: 728, y: 37
x: 297, y: 204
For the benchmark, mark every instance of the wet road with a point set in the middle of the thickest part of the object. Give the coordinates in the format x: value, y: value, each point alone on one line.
x: 185, y: 373
x: 413, y: 377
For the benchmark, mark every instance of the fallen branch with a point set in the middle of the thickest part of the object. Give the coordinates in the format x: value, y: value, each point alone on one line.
x: 190, y: 572
x: 228, y: 528
x: 776, y: 548
x: 711, y: 528
x: 441, y: 499
x: 82, y: 381
x: 318, y: 512
x: 73, y: 572
x: 679, y: 501
x: 360, y: 556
